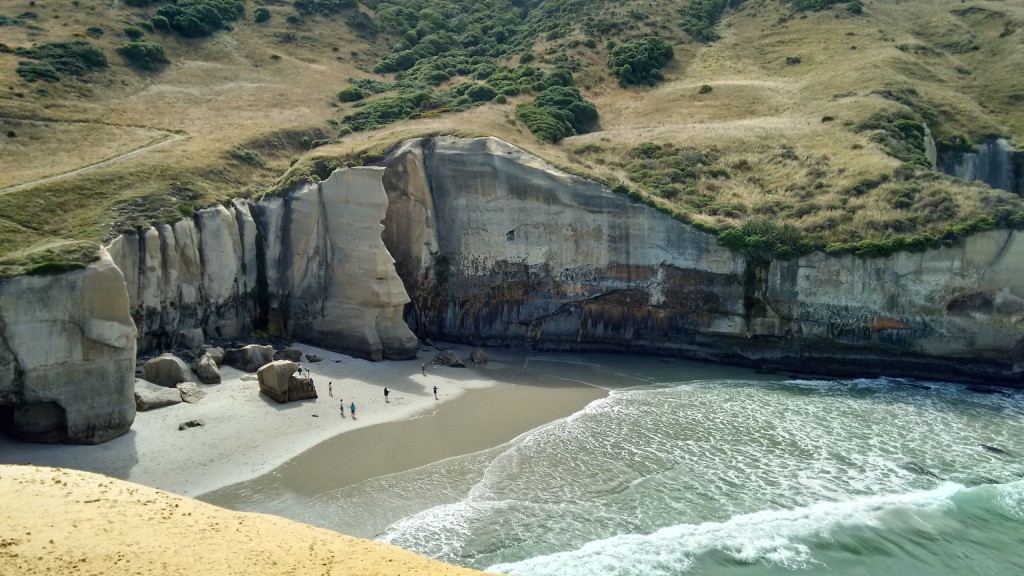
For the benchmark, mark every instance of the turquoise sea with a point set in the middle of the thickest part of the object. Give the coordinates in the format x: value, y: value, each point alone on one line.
x: 688, y: 468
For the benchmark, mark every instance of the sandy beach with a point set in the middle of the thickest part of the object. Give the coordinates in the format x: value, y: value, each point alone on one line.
x: 246, y: 435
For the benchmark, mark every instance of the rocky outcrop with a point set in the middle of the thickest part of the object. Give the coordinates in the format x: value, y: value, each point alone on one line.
x: 207, y: 370
x: 67, y: 355
x: 279, y: 381
x: 166, y: 370
x: 309, y: 266
x: 249, y: 358
x: 996, y: 163
x: 521, y: 254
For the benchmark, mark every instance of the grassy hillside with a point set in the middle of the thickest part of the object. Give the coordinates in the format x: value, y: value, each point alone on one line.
x: 807, y: 112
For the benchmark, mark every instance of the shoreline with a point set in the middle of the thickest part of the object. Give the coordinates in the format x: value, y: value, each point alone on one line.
x: 247, y: 435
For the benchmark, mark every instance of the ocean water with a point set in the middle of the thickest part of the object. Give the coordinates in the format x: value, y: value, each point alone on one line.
x: 675, y: 473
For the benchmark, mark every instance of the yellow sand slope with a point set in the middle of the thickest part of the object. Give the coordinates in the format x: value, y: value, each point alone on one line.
x: 60, y: 521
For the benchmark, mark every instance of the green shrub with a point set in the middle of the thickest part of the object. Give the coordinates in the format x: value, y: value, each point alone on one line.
x: 249, y: 156
x: 144, y: 54
x: 32, y: 71
x: 133, y: 32
x: 161, y: 23
x: 72, y: 58
x: 351, y: 94
x: 94, y: 32
x: 137, y: 3
x: 558, y: 112
x: 261, y: 14
x: 704, y: 89
x: 762, y: 238
x: 640, y: 61
x: 901, y: 135
x: 323, y: 7
x: 700, y: 17
x: 200, y: 18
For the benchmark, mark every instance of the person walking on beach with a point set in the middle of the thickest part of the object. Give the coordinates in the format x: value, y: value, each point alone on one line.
x: 330, y: 389
x: 341, y: 404
x: 352, y: 409
x: 386, y: 392
x: 435, y: 392
x: 423, y: 367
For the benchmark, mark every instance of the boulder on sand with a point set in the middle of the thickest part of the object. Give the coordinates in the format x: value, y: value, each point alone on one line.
x: 447, y: 358
x: 149, y: 396
x: 249, y: 358
x: 206, y: 369
x: 166, y: 370
x: 313, y: 358
x: 293, y: 354
x: 216, y: 353
x: 477, y: 357
x: 279, y: 381
x: 190, y: 392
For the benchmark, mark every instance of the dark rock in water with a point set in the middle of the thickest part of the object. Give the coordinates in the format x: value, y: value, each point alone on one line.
x: 917, y: 385
x: 313, y: 358
x: 915, y: 468
x: 191, y: 424
x: 989, y: 390
x: 447, y: 358
x: 994, y: 449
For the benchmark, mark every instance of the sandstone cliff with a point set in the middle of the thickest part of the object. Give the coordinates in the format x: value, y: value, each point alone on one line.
x: 996, y: 163
x: 520, y: 254
x: 310, y: 266
x: 493, y: 246
x: 67, y: 355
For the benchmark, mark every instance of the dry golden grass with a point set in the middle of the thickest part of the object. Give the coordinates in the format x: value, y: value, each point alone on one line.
x: 248, y: 88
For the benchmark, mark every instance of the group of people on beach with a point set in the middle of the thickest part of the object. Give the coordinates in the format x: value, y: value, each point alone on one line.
x: 352, y: 406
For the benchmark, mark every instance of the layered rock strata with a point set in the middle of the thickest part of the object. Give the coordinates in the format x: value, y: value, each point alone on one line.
x: 498, y: 248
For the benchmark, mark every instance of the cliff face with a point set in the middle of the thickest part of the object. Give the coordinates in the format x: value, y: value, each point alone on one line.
x: 494, y: 247
x: 310, y: 266
x: 996, y: 163
x: 521, y: 254
x: 67, y: 355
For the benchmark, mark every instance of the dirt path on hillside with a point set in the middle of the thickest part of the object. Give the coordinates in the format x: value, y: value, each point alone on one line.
x: 169, y: 138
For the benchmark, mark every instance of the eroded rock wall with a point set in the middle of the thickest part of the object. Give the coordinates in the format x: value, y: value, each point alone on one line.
x: 309, y: 266
x: 996, y: 163
x: 519, y: 253
x: 67, y: 355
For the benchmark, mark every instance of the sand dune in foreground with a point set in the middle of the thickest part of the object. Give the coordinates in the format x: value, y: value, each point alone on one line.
x: 60, y: 521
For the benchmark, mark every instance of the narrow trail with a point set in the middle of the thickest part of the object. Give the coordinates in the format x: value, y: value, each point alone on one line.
x: 169, y: 138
